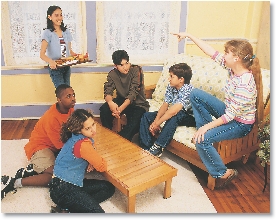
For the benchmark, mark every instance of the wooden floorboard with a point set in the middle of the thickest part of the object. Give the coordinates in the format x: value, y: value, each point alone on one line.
x: 244, y: 195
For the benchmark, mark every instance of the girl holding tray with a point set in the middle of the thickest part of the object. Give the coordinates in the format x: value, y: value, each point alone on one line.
x: 55, y: 44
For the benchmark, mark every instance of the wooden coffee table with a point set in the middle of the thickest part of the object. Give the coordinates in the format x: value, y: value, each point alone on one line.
x: 130, y: 168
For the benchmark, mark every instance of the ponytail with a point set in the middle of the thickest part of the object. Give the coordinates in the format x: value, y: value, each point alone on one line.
x: 256, y: 71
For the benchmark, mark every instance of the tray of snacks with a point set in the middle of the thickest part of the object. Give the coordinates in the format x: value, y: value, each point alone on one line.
x: 73, y: 60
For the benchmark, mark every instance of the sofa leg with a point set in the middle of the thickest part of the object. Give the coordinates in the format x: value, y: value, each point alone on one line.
x: 211, y: 182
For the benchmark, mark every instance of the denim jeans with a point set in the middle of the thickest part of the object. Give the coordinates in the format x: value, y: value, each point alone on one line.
x: 60, y: 75
x: 84, y: 199
x: 147, y: 140
x: 204, y: 106
x: 133, y: 114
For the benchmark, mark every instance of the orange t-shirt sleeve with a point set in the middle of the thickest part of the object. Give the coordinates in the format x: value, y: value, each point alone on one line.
x: 88, y: 153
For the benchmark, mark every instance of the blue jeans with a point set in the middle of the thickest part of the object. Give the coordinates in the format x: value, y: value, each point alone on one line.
x: 84, y: 199
x: 204, y: 106
x: 147, y: 140
x: 60, y: 75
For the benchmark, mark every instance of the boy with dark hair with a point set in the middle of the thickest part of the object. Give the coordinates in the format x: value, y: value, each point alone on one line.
x: 175, y: 111
x: 44, y: 144
x: 128, y: 81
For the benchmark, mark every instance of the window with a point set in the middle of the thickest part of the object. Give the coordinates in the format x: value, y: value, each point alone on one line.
x: 141, y: 28
x: 24, y: 24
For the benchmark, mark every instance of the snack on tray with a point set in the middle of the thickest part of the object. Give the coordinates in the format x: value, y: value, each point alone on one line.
x: 82, y: 57
x: 79, y: 58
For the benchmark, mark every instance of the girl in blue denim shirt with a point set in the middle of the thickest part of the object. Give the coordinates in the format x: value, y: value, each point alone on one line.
x: 56, y: 43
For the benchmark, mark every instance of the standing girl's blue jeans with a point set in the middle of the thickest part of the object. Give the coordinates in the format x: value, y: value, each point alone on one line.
x: 204, y: 107
x: 147, y: 140
x: 60, y: 75
x: 78, y: 199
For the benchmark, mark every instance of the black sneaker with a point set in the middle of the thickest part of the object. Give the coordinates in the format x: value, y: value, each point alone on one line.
x: 9, y: 183
x: 57, y: 209
x: 4, y: 179
x: 156, y: 150
x: 25, y: 172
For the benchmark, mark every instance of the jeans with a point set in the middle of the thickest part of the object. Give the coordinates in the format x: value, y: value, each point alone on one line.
x: 204, y: 106
x: 84, y: 199
x: 133, y: 114
x: 147, y: 140
x: 60, y: 75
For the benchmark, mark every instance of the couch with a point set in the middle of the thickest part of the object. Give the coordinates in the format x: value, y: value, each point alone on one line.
x: 208, y: 76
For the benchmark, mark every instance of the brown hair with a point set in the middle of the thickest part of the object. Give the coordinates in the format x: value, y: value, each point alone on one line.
x: 244, y: 50
x: 74, y: 124
x: 182, y: 70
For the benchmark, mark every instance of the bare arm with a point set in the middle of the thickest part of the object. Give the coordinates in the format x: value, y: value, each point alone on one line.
x: 154, y: 128
x: 124, y: 105
x: 168, y: 113
x: 112, y: 106
x: 72, y: 53
x: 206, y: 48
x: 161, y: 112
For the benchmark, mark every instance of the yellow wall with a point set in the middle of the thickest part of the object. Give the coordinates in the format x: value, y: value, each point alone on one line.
x: 219, y: 21
x: 263, y: 47
x: 39, y: 89
x: 216, y: 21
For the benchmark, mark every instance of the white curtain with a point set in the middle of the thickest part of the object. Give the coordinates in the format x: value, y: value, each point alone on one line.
x: 141, y: 28
x: 23, y: 23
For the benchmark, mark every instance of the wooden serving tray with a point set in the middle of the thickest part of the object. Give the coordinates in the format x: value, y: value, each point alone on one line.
x: 71, y: 64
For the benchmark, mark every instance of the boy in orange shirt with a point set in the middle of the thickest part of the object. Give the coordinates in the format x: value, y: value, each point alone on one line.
x: 44, y: 144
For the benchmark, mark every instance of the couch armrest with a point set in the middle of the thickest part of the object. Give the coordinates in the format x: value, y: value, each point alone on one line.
x: 149, y: 90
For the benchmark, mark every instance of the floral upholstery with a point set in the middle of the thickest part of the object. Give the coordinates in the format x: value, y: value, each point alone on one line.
x: 208, y: 76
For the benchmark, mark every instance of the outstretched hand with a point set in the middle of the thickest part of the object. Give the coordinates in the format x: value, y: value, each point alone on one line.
x: 180, y: 36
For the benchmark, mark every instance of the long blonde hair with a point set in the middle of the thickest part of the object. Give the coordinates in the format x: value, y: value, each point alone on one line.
x: 244, y: 50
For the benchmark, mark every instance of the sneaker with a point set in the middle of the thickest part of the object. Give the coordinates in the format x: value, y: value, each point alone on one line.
x: 57, y: 209
x: 156, y: 150
x: 25, y: 172
x: 4, y: 179
x: 9, y: 183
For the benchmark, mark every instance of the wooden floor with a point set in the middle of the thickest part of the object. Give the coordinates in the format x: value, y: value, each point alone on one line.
x: 244, y: 195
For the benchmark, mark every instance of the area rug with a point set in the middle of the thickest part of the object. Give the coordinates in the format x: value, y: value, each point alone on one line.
x: 187, y: 194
